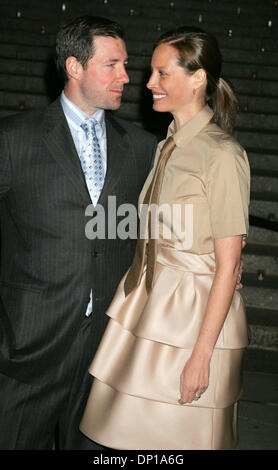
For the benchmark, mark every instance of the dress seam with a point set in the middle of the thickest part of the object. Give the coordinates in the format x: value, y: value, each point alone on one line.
x: 212, y: 430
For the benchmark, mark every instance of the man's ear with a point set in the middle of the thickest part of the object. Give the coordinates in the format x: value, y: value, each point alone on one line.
x: 74, y: 68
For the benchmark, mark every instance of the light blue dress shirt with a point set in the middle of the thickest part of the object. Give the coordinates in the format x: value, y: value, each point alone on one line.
x: 75, y: 116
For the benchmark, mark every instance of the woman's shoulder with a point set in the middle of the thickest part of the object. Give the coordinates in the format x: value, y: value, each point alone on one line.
x: 220, y: 144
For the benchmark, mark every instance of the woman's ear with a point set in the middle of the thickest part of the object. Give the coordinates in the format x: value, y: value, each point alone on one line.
x: 200, y: 78
x: 73, y: 67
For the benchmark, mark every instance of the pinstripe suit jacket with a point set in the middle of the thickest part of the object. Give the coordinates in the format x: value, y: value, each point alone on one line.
x: 48, y: 265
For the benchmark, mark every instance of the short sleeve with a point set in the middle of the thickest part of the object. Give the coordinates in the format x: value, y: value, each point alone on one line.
x: 228, y: 191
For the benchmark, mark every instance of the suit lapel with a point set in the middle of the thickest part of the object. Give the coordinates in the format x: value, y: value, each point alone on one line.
x: 59, y: 141
x: 118, y: 150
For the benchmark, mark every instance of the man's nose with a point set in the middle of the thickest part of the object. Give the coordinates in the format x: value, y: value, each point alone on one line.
x: 123, y: 76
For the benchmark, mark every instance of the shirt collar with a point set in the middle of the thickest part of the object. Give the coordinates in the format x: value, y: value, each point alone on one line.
x: 191, y: 128
x: 76, y: 116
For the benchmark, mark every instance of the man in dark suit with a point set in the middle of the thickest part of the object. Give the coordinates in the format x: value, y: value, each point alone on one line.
x: 56, y: 282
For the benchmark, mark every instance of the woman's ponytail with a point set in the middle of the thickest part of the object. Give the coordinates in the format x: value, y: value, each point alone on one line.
x: 225, y: 105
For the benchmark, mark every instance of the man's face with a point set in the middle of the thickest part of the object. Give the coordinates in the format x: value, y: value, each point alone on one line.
x: 100, y: 85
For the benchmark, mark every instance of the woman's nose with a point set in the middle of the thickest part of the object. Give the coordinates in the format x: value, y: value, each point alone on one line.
x: 151, y: 83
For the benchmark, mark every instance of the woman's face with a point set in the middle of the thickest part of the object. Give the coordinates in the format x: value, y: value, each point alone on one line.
x: 172, y: 87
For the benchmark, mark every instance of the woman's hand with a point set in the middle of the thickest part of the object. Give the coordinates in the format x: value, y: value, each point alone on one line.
x: 194, y: 379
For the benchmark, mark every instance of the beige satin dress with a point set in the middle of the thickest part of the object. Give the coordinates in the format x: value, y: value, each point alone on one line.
x: 133, y: 402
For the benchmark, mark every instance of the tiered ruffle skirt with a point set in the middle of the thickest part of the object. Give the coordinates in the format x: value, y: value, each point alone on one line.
x: 133, y: 402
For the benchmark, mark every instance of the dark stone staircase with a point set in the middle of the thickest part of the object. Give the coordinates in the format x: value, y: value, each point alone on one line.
x: 247, y: 31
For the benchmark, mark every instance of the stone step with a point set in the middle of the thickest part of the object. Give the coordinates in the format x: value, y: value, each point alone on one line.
x: 209, y: 16
x: 261, y: 315
x: 258, y: 233
x: 257, y: 121
x: 264, y: 337
x: 259, y: 262
x: 113, y: 8
x: 139, y: 78
x: 13, y: 32
x: 14, y: 23
x: 23, y: 67
x: 140, y: 64
x: 261, y: 248
x: 253, y: 278
x: 37, y: 84
x: 16, y: 91
x: 260, y: 183
x: 21, y: 101
x: 261, y: 57
x: 28, y: 38
x: 263, y: 208
x: 269, y: 172
x: 269, y: 199
x: 224, y: 39
x: 268, y: 223
x: 261, y: 360
x: 262, y: 140
x: 254, y: 71
x: 225, y: 5
x: 23, y: 83
x: 139, y: 69
x: 255, y: 87
x: 230, y: 69
x: 18, y: 51
x: 263, y: 160
x: 259, y: 296
x: 226, y: 28
x: 34, y: 52
x: 124, y: 15
x: 116, y: 10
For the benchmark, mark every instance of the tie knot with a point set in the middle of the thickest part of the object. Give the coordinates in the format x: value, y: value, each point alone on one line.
x: 169, y: 145
x: 88, y: 126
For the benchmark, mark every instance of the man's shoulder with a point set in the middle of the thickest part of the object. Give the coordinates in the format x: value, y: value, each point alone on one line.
x: 134, y: 130
x: 32, y: 118
x: 19, y: 119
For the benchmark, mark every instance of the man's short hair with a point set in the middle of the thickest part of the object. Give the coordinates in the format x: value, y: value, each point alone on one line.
x: 77, y: 39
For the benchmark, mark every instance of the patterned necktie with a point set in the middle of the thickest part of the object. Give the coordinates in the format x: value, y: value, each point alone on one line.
x: 91, y: 161
x: 152, y: 197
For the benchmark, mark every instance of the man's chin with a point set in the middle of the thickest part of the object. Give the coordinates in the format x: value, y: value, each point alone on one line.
x: 114, y: 106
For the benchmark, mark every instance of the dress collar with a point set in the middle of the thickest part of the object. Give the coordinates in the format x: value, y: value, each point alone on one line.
x: 191, y: 128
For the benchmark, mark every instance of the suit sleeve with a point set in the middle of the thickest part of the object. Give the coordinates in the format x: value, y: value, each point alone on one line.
x: 5, y: 166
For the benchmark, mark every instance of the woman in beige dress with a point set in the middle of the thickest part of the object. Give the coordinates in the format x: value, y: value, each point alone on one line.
x: 168, y: 372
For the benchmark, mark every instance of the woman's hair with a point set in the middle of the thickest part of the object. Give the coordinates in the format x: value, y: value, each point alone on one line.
x: 198, y: 49
x: 77, y: 39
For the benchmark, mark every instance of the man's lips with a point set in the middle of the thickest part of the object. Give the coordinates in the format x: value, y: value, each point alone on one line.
x: 118, y: 92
